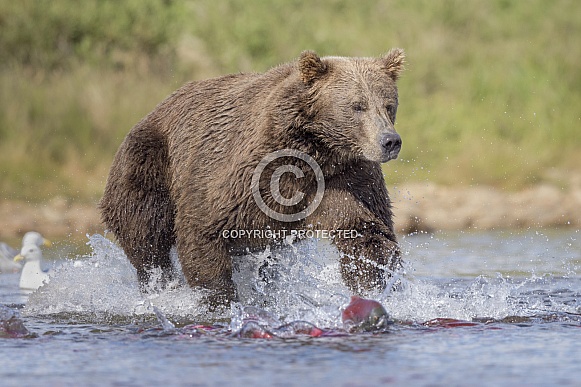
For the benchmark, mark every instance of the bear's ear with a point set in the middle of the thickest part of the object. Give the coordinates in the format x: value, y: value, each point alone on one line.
x: 393, y: 62
x: 311, y: 67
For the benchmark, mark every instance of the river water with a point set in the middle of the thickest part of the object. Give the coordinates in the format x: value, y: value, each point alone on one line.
x: 472, y: 308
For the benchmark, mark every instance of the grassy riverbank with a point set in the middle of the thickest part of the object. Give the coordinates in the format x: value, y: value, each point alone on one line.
x: 491, y: 94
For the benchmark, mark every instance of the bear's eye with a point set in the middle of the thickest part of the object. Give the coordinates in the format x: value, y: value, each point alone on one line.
x: 390, y: 112
x: 359, y: 107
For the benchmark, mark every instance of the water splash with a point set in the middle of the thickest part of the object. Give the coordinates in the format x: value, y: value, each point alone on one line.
x: 104, y: 285
x: 301, y: 281
x: 298, y: 282
x: 420, y: 300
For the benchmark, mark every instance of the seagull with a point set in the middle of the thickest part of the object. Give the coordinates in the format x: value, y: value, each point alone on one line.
x: 33, y: 275
x: 34, y: 238
x: 7, y: 253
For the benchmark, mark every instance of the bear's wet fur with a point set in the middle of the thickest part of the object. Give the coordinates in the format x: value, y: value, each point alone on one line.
x: 183, y: 174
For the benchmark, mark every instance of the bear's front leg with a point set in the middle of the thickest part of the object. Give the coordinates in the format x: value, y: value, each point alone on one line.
x: 363, y: 234
x: 206, y: 264
x: 367, y: 260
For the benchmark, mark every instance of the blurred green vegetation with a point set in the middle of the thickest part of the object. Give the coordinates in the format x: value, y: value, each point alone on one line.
x: 491, y: 94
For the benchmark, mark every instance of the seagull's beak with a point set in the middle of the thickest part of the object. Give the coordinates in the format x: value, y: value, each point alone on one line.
x: 46, y: 242
x: 18, y: 258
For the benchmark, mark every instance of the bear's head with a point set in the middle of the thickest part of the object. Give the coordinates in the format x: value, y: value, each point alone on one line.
x: 352, y: 103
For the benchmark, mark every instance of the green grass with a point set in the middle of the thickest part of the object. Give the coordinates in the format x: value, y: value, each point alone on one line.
x: 491, y: 94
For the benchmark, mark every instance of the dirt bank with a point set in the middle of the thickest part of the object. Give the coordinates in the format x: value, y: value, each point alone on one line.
x: 58, y: 218
x: 426, y: 207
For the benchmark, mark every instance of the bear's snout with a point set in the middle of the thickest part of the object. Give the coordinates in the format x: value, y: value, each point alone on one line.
x: 391, y: 144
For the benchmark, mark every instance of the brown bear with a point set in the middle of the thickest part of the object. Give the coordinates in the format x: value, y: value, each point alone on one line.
x: 186, y: 174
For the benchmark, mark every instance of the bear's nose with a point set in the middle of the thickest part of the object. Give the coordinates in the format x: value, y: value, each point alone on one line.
x: 391, y: 143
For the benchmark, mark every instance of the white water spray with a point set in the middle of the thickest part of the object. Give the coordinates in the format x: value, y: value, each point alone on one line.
x: 300, y: 281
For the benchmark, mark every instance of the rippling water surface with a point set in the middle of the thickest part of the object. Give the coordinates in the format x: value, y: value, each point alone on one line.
x: 494, y: 308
